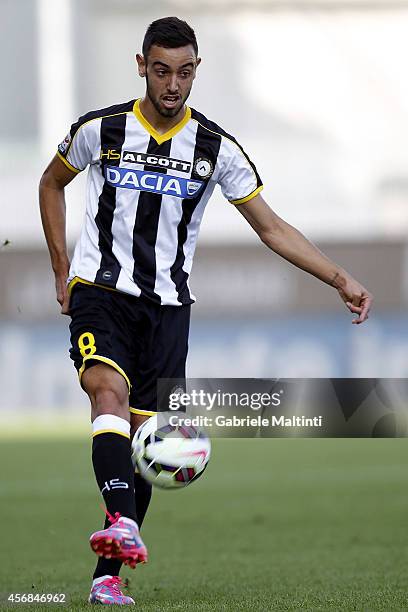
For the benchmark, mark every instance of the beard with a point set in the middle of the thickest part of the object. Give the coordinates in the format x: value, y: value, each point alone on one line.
x: 165, y: 112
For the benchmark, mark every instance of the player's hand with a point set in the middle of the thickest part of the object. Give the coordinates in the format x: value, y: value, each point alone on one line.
x: 356, y: 297
x: 62, y: 292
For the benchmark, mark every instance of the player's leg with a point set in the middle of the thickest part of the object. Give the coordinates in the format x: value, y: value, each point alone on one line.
x: 100, y: 351
x: 111, y: 457
x: 108, y: 393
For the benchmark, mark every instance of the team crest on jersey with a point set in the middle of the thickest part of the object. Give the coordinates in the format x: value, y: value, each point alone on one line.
x: 155, y: 182
x: 203, y: 168
x: 64, y: 145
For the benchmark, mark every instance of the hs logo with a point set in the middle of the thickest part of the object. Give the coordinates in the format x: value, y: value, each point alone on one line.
x: 114, y: 483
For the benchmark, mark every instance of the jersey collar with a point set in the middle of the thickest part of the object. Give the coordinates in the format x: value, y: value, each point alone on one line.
x: 160, y: 138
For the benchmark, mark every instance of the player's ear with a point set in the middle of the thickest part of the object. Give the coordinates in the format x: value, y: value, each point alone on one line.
x: 198, y: 62
x: 141, y: 64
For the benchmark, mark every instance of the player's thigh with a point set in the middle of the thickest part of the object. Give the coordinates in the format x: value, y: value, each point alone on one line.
x: 164, y: 357
x: 99, y: 336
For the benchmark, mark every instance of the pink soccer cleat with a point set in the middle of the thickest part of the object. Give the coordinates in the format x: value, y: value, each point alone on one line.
x: 120, y: 541
x: 108, y: 592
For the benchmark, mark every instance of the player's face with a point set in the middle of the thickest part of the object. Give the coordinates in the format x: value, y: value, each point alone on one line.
x: 169, y: 76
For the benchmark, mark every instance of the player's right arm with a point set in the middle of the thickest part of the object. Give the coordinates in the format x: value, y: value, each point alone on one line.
x: 52, y: 206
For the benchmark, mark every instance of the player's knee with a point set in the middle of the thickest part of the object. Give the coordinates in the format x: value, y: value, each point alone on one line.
x: 109, y: 400
x: 107, y: 390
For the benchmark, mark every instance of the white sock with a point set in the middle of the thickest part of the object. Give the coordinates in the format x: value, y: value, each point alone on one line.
x: 110, y: 423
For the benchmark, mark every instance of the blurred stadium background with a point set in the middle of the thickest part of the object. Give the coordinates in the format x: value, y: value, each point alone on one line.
x: 317, y: 93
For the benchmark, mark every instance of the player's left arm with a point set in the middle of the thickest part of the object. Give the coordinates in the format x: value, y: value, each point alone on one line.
x: 289, y: 243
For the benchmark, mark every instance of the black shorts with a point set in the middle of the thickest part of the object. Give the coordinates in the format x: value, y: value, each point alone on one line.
x: 142, y: 340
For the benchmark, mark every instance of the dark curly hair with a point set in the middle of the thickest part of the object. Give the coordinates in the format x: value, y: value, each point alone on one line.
x: 169, y: 32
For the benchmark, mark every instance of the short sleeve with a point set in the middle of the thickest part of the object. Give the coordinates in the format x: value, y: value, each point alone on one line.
x: 74, y: 150
x: 238, y: 179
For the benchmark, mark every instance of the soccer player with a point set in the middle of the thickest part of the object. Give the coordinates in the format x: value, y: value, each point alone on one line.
x: 153, y: 165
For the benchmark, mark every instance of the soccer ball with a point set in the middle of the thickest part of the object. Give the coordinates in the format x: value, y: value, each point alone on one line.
x: 170, y: 456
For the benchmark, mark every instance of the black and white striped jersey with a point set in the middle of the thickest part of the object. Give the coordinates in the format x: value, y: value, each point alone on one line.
x: 146, y: 195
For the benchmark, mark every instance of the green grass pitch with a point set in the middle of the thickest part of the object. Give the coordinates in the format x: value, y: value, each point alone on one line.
x: 272, y: 525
